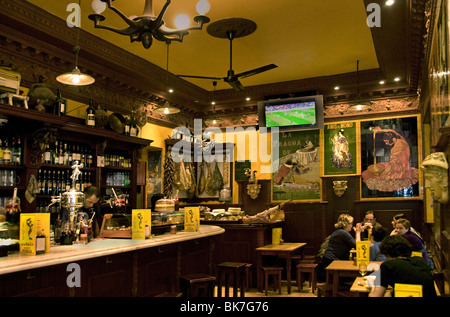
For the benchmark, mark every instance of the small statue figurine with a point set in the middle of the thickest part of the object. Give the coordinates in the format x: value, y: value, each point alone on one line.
x: 253, y: 188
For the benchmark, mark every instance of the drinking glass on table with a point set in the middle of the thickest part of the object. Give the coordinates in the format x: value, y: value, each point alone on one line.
x: 362, y: 269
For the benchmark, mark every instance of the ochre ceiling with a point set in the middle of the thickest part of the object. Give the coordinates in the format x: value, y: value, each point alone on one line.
x: 305, y: 39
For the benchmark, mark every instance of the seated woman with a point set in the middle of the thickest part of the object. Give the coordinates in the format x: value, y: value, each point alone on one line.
x: 403, y: 228
x: 341, y: 241
x: 401, y: 268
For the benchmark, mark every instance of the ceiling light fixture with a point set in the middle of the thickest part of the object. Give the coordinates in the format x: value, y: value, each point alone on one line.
x: 359, y: 106
x: 390, y: 2
x: 167, y: 107
x: 76, y: 77
x: 214, y: 121
x: 148, y: 26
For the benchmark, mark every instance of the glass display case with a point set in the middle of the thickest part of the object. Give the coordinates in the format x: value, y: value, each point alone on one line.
x: 116, y: 226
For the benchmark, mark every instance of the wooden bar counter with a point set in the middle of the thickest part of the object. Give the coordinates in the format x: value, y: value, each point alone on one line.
x: 111, y: 267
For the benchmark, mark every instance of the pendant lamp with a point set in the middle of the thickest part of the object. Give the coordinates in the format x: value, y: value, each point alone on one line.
x: 167, y: 108
x: 76, y: 77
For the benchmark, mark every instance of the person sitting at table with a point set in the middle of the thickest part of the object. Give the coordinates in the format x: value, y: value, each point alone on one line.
x: 403, y: 228
x: 341, y: 241
x: 402, y: 216
x: 378, y: 234
x: 369, y: 222
x: 401, y: 268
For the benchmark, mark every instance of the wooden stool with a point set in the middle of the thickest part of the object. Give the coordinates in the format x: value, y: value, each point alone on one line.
x: 248, y: 274
x: 276, y: 273
x: 231, y: 268
x: 307, y: 268
x: 191, y: 285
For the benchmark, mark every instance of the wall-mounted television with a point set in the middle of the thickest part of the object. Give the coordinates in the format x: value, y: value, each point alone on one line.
x: 293, y: 114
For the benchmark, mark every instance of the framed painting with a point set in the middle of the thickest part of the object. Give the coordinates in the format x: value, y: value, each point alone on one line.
x: 390, y: 158
x: 340, y: 149
x: 297, y: 173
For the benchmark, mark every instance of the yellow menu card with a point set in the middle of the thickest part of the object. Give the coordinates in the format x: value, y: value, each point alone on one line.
x: 276, y: 236
x: 362, y: 252
x: 139, y: 219
x: 191, y: 219
x: 30, y: 225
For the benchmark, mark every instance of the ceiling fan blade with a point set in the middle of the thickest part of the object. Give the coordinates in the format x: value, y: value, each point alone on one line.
x: 200, y: 77
x: 235, y: 83
x: 256, y: 71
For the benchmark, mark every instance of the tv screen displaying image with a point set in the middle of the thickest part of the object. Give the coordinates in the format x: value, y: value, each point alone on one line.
x: 293, y: 114
x: 299, y: 113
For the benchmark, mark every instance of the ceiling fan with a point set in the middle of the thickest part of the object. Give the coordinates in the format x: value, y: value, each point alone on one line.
x: 231, y: 29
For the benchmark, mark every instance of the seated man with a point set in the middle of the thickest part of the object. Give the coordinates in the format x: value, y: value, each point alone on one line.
x: 401, y: 268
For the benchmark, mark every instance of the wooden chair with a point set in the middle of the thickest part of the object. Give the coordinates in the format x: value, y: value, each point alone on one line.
x: 276, y: 273
x: 197, y: 285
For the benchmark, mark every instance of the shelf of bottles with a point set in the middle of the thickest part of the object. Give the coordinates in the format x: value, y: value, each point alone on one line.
x: 56, y: 167
x: 117, y: 170
x: 11, y: 152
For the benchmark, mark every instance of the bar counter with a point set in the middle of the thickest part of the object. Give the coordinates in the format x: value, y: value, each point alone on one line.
x: 138, y: 264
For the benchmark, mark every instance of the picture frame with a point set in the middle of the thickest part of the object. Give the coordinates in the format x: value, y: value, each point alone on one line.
x: 296, y: 174
x: 341, y: 149
x: 391, y: 152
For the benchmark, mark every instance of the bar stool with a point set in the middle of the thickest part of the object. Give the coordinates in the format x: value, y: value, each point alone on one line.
x: 237, y: 270
x: 193, y: 284
x: 276, y: 273
x: 309, y: 268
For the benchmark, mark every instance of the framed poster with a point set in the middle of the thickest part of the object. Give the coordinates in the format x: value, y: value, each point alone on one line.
x: 340, y: 149
x: 297, y: 173
x: 390, y: 158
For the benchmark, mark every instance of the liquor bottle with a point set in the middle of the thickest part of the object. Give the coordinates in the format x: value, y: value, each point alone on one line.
x: 68, y: 181
x: 40, y: 242
x: 47, y: 155
x: 90, y: 114
x: 44, y: 183
x: 60, y: 104
x: 13, y: 151
x: 83, y: 155
x: 39, y: 179
x: 90, y: 158
x: 18, y: 154
x: 6, y: 153
x: 66, y: 154
x: 133, y: 126
x: 70, y: 156
x: 127, y: 126
x: 49, y: 184
x: 1, y: 152
x: 60, y: 154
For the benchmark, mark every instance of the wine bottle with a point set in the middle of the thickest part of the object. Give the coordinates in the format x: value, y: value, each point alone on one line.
x: 60, y: 104
x: 127, y: 126
x: 40, y: 242
x: 133, y: 126
x: 90, y: 114
x: 6, y: 153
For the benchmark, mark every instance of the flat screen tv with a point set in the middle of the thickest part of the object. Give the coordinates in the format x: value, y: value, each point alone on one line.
x: 293, y: 114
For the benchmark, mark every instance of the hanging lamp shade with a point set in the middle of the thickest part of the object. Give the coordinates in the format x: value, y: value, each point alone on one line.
x: 166, y: 109
x: 75, y: 78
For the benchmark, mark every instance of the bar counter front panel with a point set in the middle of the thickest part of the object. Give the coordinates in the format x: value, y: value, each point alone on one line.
x: 111, y: 267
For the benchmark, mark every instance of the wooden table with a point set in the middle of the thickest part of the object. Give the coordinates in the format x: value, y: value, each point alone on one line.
x: 359, y: 287
x: 340, y: 268
x: 285, y: 250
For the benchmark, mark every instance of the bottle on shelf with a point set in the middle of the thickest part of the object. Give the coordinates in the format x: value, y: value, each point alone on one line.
x: 90, y: 114
x: 1, y: 152
x: 18, y: 152
x: 6, y: 152
x: 133, y: 126
x: 127, y: 126
x: 60, y: 104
